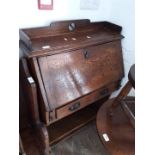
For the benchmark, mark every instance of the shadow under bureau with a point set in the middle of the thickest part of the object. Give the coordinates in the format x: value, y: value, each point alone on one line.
x: 68, y: 70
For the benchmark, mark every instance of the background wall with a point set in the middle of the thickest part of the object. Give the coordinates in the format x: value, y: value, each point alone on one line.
x: 63, y: 10
x: 120, y: 12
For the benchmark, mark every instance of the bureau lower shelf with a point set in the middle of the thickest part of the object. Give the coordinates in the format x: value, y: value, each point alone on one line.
x: 68, y: 125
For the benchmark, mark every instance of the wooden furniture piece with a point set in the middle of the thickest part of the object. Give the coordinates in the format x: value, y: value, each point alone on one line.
x: 21, y: 148
x: 116, y: 121
x: 69, y: 69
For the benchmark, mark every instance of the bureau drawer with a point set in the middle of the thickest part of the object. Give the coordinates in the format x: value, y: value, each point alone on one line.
x: 84, y: 101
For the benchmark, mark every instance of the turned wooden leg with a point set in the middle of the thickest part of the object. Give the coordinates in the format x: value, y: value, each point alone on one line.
x: 42, y: 138
x: 123, y: 93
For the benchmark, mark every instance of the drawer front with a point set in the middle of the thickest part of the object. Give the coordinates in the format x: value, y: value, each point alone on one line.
x: 84, y: 101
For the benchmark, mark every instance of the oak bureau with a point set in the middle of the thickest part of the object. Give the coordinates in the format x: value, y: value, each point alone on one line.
x: 68, y: 70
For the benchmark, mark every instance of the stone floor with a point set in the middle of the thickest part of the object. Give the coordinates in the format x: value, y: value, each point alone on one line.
x: 83, y: 142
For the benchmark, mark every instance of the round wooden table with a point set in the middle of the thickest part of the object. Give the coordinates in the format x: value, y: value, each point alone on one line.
x: 115, y: 121
x: 116, y: 132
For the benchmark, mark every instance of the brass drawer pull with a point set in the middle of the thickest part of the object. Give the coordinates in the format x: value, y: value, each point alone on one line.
x: 74, y: 106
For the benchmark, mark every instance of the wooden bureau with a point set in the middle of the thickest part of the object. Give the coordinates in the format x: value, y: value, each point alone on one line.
x: 68, y: 70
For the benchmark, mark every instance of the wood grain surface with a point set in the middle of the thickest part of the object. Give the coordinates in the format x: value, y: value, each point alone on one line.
x: 118, y: 128
x: 68, y: 76
x: 70, y: 68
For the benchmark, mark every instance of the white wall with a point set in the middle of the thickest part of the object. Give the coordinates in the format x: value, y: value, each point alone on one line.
x: 31, y: 16
x: 120, y: 12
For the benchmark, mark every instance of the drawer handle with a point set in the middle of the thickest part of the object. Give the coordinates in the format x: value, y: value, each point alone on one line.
x: 74, y: 106
x: 105, y: 92
x: 86, y: 55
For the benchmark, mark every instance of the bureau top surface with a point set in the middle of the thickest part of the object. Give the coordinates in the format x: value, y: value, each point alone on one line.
x: 68, y: 35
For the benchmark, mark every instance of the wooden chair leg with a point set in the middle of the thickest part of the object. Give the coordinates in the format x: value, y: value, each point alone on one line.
x: 129, y: 113
x: 124, y: 92
x: 119, y: 100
